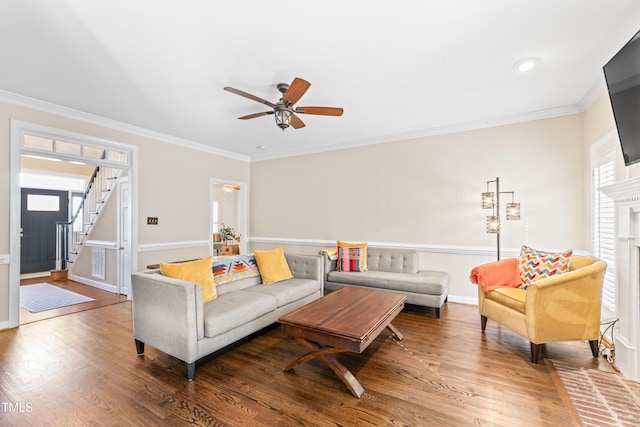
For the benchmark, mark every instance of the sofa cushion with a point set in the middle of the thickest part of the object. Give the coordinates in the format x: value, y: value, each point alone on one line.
x: 193, y: 271
x: 536, y: 265
x: 352, y: 256
x: 392, y: 260
x: 425, y: 282
x: 238, y: 285
x: 509, y: 297
x: 288, y: 291
x: 272, y: 265
x: 234, y: 309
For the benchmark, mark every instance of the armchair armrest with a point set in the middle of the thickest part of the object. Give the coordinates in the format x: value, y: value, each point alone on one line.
x: 167, y: 314
x: 567, y: 306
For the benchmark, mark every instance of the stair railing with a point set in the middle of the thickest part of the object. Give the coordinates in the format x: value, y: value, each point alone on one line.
x: 71, y: 235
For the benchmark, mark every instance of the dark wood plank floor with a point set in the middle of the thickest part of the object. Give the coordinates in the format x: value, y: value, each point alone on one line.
x: 82, y: 369
x: 100, y: 299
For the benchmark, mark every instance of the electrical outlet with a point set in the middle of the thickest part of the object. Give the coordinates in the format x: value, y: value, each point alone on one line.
x: 152, y: 220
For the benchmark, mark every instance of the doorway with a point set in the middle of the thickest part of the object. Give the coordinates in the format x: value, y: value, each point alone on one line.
x: 229, y: 207
x: 29, y: 139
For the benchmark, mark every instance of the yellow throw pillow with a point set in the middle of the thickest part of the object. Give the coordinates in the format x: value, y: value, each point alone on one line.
x: 193, y: 271
x: 272, y: 265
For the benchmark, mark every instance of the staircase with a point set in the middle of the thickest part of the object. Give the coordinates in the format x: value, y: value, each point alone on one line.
x: 72, y: 235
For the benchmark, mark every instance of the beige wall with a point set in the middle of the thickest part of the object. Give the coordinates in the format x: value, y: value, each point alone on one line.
x: 426, y: 192
x: 173, y: 184
x: 422, y: 192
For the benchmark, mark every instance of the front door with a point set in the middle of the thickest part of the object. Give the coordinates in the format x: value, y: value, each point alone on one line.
x: 41, y: 209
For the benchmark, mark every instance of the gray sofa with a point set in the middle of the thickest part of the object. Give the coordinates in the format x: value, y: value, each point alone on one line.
x: 392, y: 270
x: 169, y: 314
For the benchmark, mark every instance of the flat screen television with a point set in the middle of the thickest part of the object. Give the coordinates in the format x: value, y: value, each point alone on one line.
x: 622, y: 74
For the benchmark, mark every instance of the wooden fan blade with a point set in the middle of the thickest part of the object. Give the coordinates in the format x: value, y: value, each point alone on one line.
x: 254, y: 115
x: 297, y: 88
x: 322, y: 111
x: 296, y: 123
x: 248, y: 95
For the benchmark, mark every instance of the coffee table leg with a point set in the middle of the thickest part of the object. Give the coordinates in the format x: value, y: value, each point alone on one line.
x: 396, y: 332
x: 327, y: 356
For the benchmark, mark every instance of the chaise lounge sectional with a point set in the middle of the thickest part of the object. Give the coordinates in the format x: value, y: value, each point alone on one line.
x: 392, y: 270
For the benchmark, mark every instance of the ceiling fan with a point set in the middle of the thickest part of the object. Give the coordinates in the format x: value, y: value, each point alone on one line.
x: 284, y: 111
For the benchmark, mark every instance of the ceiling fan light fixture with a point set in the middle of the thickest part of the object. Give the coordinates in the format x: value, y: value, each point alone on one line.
x: 282, y: 115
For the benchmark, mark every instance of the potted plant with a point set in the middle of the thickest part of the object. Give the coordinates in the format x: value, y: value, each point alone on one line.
x: 228, y: 235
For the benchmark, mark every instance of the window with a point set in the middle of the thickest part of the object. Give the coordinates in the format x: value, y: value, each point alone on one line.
x: 604, y: 237
x: 43, y: 203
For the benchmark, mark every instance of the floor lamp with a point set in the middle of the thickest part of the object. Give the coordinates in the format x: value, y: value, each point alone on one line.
x: 491, y: 200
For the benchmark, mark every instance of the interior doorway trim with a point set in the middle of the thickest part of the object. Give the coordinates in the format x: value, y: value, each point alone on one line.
x: 18, y: 130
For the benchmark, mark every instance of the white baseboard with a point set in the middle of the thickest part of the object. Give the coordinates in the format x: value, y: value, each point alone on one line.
x: 463, y: 300
x: 4, y: 325
x: 100, y: 285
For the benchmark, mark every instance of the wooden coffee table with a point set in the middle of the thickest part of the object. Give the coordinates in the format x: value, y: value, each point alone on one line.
x: 345, y: 320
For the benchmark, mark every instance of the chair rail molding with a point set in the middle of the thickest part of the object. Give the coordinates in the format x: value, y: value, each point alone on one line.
x: 626, y: 197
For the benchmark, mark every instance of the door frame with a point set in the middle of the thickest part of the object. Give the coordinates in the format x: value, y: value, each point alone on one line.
x: 18, y: 130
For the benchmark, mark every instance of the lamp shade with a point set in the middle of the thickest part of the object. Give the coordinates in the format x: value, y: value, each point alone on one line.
x: 488, y: 200
x: 493, y: 224
x: 513, y: 211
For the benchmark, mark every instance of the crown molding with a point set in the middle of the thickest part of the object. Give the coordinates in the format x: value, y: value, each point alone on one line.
x: 70, y: 113
x: 593, y: 93
x: 440, y: 130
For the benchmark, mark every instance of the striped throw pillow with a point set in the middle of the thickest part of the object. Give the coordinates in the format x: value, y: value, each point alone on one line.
x: 352, y: 256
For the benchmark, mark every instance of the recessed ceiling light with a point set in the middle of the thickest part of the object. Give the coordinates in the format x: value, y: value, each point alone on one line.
x: 526, y: 64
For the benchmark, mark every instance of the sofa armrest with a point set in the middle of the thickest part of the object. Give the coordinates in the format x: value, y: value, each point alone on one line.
x: 328, y: 264
x: 566, y: 306
x: 167, y: 314
x: 306, y: 266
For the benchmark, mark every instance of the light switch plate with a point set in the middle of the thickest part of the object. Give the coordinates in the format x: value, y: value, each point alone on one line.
x: 5, y: 258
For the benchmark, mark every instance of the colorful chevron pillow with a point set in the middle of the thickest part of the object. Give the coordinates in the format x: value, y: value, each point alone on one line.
x: 352, y: 256
x: 535, y: 264
x: 226, y: 269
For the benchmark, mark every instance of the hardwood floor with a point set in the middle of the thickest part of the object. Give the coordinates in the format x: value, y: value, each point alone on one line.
x: 100, y: 299
x: 82, y: 369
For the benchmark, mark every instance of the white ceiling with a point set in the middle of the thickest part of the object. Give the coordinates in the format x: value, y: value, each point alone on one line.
x: 399, y: 69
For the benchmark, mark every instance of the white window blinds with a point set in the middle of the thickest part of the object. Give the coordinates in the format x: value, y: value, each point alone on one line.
x: 604, y: 237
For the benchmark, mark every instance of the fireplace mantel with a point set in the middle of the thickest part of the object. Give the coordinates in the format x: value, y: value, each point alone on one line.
x: 625, y: 192
x: 626, y: 197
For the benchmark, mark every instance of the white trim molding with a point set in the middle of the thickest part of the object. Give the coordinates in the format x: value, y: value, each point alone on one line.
x: 24, y: 101
x: 436, y: 249
x: 100, y: 285
x: 101, y: 244
x: 168, y: 246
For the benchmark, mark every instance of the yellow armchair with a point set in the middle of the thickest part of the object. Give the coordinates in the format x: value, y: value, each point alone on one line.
x: 565, y: 307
